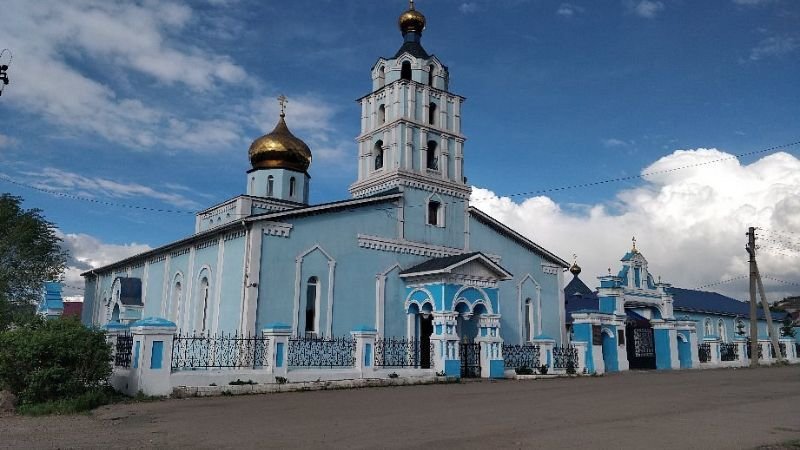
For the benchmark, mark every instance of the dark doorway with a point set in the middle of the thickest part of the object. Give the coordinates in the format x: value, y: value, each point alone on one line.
x: 640, y: 344
x: 425, y: 331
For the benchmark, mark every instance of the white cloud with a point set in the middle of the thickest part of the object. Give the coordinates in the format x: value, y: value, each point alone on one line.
x: 569, y: 10
x: 614, y: 142
x: 87, y: 252
x: 648, y: 9
x: 69, y: 182
x: 774, y: 46
x: 689, y: 223
x: 7, y: 141
x: 62, y: 52
x: 468, y: 7
x: 752, y: 2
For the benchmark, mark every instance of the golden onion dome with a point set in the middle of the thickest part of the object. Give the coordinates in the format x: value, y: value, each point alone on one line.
x: 280, y: 149
x: 411, y: 20
x: 575, y: 269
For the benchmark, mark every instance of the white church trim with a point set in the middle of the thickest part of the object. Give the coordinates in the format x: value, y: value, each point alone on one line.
x: 298, y: 288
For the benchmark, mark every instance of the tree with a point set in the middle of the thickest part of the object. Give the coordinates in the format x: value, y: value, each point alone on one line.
x: 30, y: 254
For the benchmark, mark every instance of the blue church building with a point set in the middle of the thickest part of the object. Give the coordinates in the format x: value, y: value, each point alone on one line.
x: 406, y: 255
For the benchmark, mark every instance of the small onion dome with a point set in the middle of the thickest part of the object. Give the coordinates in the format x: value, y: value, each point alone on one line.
x: 280, y: 149
x: 411, y: 20
x: 575, y: 269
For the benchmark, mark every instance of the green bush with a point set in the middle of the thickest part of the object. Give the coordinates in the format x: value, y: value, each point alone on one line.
x: 53, y: 360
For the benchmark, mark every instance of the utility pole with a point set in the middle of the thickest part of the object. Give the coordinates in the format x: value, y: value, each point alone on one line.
x: 755, y: 282
x: 751, y: 250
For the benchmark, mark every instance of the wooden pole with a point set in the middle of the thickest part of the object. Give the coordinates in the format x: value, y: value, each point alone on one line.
x: 751, y: 250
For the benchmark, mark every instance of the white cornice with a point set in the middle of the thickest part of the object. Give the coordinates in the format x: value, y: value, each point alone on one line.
x: 399, y: 177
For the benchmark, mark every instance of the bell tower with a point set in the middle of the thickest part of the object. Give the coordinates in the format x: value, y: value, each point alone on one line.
x: 411, y: 123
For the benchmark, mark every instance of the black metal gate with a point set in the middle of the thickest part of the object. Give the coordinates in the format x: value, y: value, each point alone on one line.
x: 470, y: 360
x: 640, y: 345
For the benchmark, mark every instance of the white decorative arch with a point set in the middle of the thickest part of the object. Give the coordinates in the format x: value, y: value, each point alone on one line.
x: 407, y: 304
x: 682, y: 338
x: 113, y: 299
x: 707, y: 330
x: 298, y: 283
x: 441, y: 212
x: 485, y: 299
x: 173, y: 306
x: 536, y: 307
x: 196, y: 317
x: 607, y: 332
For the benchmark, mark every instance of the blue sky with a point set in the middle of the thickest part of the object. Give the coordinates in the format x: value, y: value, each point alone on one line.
x: 154, y: 103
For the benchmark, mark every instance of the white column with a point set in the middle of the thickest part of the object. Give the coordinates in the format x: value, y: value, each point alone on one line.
x: 365, y: 351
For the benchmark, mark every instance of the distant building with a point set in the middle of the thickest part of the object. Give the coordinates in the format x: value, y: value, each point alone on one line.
x: 636, y: 322
x: 51, y: 304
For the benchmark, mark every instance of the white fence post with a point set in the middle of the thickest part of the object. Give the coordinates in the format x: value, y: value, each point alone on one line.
x: 278, y: 347
x: 365, y: 350
x: 151, y: 361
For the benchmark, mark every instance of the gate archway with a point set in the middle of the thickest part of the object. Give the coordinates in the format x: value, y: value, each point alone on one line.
x: 640, y: 344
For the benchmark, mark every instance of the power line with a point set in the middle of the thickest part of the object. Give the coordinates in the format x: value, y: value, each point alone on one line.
x: 780, y: 281
x: 741, y: 277
x: 518, y: 194
x: 92, y: 200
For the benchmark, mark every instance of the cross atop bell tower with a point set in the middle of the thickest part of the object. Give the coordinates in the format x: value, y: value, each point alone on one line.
x: 411, y: 122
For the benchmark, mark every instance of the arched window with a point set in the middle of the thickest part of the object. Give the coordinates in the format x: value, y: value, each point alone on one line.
x: 175, y: 303
x: 270, y: 186
x: 431, y: 74
x: 434, y: 213
x: 292, y: 183
x: 115, y: 314
x: 381, y: 77
x: 432, y: 113
x: 405, y: 71
x: 204, y: 294
x: 382, y: 114
x: 707, y: 328
x: 378, y: 154
x: 721, y: 330
x: 432, y: 158
x: 312, y: 294
x: 528, y: 319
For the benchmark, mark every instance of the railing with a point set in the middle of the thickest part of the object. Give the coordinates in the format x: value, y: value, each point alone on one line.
x: 782, y: 346
x: 750, y: 353
x: 321, y: 352
x: 399, y: 352
x: 122, y: 353
x: 772, y: 351
x: 565, y: 357
x: 728, y: 352
x: 525, y: 355
x: 704, y: 352
x: 219, y: 352
x: 797, y: 349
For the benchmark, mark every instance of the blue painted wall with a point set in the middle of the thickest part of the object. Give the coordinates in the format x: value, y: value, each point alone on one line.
x: 663, y: 351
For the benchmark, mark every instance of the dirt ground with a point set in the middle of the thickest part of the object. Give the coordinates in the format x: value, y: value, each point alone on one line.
x: 726, y: 409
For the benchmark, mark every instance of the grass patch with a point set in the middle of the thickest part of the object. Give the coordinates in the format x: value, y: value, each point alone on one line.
x: 80, y: 404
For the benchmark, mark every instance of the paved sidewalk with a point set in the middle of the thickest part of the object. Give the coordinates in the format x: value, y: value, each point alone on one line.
x: 725, y: 409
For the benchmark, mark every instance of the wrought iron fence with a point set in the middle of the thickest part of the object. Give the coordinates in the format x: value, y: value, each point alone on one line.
x: 525, y: 355
x: 704, y: 352
x: 219, y: 351
x: 322, y: 352
x: 750, y: 353
x: 797, y: 349
x: 122, y: 351
x: 782, y: 347
x: 565, y: 357
x: 728, y: 352
x: 772, y: 351
x: 400, y: 352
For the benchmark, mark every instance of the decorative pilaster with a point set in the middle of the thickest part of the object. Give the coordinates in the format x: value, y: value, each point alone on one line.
x: 492, y: 364
x: 445, y: 349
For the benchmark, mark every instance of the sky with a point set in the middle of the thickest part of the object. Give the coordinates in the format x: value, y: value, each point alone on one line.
x: 588, y: 122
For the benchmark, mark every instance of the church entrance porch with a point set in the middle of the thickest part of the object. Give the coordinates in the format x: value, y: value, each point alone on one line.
x: 640, y: 342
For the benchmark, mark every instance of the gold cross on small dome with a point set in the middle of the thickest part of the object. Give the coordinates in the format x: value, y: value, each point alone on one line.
x: 282, y: 100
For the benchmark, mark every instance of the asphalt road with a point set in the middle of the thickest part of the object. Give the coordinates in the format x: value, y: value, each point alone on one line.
x: 726, y: 409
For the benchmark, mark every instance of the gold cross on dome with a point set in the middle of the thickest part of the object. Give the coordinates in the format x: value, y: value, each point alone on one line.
x: 410, y: 4
x: 634, y: 243
x: 282, y: 100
